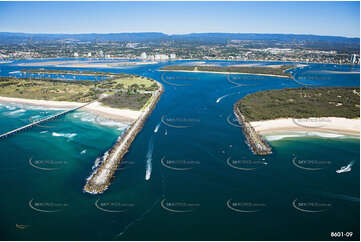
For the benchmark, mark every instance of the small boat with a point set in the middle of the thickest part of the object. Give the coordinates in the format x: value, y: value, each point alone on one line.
x: 166, y: 132
x: 345, y: 168
x: 21, y: 226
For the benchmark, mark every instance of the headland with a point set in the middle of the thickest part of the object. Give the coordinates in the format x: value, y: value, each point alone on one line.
x: 324, y: 109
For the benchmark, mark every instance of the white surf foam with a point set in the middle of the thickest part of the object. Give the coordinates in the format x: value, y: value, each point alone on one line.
x: 303, y: 134
x: 16, y: 112
x: 10, y: 107
x: 279, y: 137
x: 100, y: 160
x: 89, y: 117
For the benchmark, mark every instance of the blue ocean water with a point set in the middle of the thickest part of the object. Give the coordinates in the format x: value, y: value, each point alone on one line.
x: 188, y: 175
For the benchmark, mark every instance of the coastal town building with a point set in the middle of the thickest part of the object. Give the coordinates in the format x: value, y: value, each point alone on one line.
x: 161, y: 57
x: 143, y: 56
x: 355, y: 59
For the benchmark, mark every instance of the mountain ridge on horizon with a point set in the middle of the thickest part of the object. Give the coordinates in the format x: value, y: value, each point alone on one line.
x: 183, y: 34
x: 249, y: 40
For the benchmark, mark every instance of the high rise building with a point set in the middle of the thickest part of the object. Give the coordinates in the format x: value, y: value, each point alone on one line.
x: 101, y: 54
x: 355, y: 59
x: 143, y: 56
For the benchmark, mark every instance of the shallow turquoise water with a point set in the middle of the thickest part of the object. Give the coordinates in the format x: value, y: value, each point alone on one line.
x: 194, y: 191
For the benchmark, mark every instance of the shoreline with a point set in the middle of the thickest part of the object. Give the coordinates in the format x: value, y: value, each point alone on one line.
x: 324, y: 125
x: 85, y: 64
x: 220, y: 72
x: 100, y: 178
x: 97, y: 108
x: 255, y: 141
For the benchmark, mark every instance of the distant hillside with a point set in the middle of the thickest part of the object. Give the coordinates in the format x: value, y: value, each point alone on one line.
x: 255, y: 40
x: 6, y: 37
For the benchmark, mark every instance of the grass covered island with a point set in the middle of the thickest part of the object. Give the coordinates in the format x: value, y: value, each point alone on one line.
x: 276, y: 70
x: 327, y: 109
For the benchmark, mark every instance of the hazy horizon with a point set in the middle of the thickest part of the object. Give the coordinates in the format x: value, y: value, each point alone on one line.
x: 35, y: 33
x: 303, y: 18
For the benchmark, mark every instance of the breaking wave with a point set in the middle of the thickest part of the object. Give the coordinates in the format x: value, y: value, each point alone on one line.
x: 16, y: 112
x: 10, y: 107
x: 88, y: 117
x: 305, y: 134
x: 99, y: 160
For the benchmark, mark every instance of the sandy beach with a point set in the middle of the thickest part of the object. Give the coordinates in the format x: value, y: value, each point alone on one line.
x: 220, y: 72
x: 124, y: 115
x: 325, y: 124
x: 113, y: 113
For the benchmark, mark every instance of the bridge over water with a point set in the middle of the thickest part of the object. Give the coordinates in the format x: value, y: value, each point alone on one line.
x: 5, y: 135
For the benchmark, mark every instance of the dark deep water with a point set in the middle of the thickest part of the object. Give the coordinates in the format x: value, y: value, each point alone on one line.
x: 193, y: 192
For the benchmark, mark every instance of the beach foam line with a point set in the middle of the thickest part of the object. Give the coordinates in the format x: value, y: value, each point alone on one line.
x: 16, y: 112
x: 93, y: 118
x: 297, y: 134
x: 13, y: 106
x: 8, y: 107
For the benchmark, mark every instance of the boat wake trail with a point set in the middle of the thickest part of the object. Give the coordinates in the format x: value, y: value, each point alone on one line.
x: 340, y: 196
x: 148, y: 165
x: 140, y: 218
x: 220, y: 98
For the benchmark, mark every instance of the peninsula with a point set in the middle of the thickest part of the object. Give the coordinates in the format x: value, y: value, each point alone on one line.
x: 129, y: 98
x: 274, y: 70
x: 328, y: 109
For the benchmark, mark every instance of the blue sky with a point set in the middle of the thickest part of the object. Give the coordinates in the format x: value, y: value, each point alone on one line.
x: 320, y: 18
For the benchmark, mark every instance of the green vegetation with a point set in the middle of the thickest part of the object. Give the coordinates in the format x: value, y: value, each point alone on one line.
x: 127, y: 100
x: 275, y: 70
x: 126, y: 91
x: 302, y: 103
x: 129, y: 84
x: 72, y: 72
x: 47, y: 90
